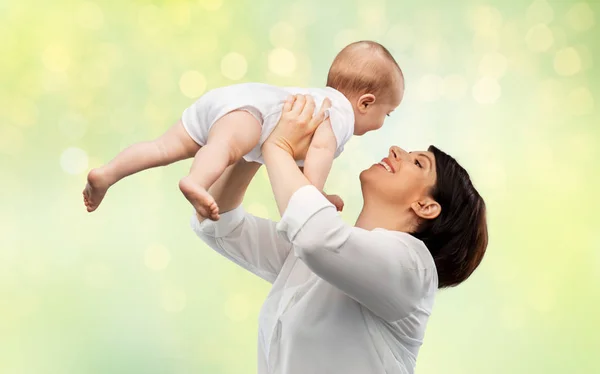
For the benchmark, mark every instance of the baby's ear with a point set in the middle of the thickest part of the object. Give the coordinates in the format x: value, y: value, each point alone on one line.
x: 366, y: 100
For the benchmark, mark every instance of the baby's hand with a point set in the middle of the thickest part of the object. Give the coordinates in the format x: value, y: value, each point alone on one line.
x: 337, y: 201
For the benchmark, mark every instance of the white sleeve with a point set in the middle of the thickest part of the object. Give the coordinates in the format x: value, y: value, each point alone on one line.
x: 249, y: 241
x: 375, y: 268
x: 343, y: 129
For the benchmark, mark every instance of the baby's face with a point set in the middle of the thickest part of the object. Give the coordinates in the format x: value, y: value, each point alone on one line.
x: 372, y: 117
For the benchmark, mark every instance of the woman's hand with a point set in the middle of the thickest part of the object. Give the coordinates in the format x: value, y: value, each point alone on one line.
x: 297, y: 125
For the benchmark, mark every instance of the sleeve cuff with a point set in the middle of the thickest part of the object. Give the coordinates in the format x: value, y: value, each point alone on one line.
x: 303, y: 204
x: 221, y: 228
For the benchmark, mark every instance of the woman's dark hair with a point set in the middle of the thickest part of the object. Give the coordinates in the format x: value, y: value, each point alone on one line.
x: 458, y: 237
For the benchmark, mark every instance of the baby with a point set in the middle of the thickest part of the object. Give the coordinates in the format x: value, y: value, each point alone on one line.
x: 364, y: 84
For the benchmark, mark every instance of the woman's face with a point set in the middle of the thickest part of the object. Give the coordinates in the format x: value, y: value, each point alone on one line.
x: 400, y: 179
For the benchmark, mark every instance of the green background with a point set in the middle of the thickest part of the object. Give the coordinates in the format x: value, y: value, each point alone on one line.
x: 510, y: 88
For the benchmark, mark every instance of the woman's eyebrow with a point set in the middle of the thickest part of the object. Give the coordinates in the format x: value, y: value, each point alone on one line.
x: 427, y: 158
x: 424, y: 156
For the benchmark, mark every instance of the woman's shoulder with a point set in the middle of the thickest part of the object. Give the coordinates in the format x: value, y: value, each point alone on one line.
x: 410, y: 245
x: 412, y: 254
x: 412, y: 269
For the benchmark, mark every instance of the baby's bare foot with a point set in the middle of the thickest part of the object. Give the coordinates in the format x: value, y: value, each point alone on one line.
x: 95, y: 189
x: 202, y: 201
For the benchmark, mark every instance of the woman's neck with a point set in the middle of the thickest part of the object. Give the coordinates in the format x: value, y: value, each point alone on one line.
x: 389, y: 218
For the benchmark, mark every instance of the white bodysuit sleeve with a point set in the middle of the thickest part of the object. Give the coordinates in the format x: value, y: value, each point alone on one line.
x: 343, y: 128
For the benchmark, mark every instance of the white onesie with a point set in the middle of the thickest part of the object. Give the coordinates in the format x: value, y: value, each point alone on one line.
x: 264, y: 102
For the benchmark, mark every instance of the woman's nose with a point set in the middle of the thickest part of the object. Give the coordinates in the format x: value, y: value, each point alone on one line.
x: 397, y: 153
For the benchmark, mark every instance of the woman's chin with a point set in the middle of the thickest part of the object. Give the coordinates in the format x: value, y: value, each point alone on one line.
x: 364, y: 175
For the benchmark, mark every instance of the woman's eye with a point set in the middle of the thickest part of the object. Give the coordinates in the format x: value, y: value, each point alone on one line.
x: 388, y: 114
x: 418, y: 164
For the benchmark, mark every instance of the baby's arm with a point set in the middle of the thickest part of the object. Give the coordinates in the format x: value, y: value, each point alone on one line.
x: 320, y: 155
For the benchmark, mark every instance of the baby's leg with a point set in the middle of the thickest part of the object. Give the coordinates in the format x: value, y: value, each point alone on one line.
x: 230, y: 138
x: 229, y: 190
x: 172, y: 146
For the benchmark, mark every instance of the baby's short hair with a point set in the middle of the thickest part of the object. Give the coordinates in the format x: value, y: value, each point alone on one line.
x: 365, y: 67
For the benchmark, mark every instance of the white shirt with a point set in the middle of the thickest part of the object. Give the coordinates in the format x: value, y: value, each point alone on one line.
x: 265, y: 103
x: 344, y: 300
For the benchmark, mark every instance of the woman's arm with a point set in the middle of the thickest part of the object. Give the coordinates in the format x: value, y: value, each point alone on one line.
x: 249, y: 241
x: 386, y: 274
x: 290, y: 140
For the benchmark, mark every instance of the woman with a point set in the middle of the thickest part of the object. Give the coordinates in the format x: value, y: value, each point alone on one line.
x: 345, y: 299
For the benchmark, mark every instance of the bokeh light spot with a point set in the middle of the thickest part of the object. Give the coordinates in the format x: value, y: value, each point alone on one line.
x: 234, y: 66
x: 580, y: 101
x: 157, y: 257
x: 580, y: 17
x: 282, y: 35
x: 539, y: 38
x: 56, y: 58
x: 567, y: 62
x: 74, y: 160
x: 540, y: 12
x: 486, y: 91
x: 192, y: 84
x: 282, y: 62
x: 89, y: 15
x: 173, y: 300
x: 237, y: 307
x: 493, y: 64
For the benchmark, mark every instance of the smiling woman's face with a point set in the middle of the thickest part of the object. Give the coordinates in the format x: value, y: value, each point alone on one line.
x: 400, y: 179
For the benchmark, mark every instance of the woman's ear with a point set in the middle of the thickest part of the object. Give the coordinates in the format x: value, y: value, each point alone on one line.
x: 426, y: 208
x: 364, y: 102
